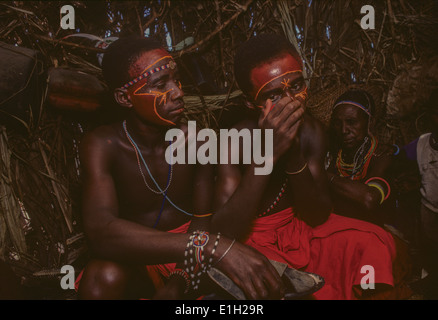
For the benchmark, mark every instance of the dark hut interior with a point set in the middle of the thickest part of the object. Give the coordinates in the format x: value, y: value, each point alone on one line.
x: 52, y: 92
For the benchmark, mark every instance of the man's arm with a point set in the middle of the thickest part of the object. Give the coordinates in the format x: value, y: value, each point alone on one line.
x: 238, y: 199
x: 237, y: 196
x: 110, y: 236
x: 306, y: 174
x: 116, y: 239
x: 365, y: 196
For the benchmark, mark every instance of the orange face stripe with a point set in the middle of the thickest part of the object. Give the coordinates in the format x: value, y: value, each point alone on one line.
x: 302, y: 94
x: 281, y: 75
x: 157, y: 95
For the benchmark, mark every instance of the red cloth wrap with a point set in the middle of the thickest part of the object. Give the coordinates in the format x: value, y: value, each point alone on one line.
x: 159, y: 271
x: 336, y: 250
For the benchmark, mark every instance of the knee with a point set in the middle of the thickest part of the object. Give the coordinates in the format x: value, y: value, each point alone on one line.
x: 103, y: 280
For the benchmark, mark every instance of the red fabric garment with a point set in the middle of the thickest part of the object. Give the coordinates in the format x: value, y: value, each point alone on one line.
x: 155, y: 272
x: 161, y: 271
x: 336, y: 250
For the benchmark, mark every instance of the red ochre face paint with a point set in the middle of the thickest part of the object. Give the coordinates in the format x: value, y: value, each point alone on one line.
x: 147, y: 103
x: 263, y: 78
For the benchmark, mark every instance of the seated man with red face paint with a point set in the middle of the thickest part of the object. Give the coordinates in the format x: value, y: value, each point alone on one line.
x: 289, y: 218
x: 147, y: 220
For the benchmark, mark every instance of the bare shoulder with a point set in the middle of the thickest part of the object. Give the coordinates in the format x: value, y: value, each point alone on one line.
x: 99, y: 143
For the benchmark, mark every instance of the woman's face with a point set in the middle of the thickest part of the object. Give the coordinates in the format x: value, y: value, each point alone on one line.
x: 350, y: 125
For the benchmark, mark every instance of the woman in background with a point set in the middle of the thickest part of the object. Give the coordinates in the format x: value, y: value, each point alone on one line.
x: 358, y: 164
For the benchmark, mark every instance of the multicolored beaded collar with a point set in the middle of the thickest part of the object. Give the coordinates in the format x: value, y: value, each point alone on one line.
x: 358, y: 169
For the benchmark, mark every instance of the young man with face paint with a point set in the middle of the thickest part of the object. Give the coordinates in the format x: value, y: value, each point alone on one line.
x: 270, y: 82
x: 289, y: 217
x: 137, y: 209
x: 359, y: 164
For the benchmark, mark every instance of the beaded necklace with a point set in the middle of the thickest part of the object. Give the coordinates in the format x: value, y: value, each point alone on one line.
x: 137, y: 153
x: 169, y: 176
x: 164, y: 192
x: 361, y: 161
x: 277, y: 199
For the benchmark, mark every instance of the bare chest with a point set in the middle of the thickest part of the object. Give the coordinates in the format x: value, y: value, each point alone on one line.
x: 145, y: 183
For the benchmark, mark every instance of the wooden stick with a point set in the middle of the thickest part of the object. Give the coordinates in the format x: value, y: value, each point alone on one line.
x: 193, y: 47
x: 70, y: 44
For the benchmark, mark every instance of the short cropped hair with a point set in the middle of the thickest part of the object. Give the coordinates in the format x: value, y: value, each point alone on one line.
x: 256, y: 51
x: 120, y: 56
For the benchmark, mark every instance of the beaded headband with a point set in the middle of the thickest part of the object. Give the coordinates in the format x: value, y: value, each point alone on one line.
x: 171, y: 64
x: 354, y: 104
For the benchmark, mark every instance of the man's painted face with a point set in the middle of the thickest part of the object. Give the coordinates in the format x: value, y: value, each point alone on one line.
x: 155, y: 92
x: 277, y: 79
x: 350, y: 125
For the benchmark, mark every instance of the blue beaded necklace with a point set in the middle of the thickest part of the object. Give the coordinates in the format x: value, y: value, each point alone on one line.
x: 164, y: 192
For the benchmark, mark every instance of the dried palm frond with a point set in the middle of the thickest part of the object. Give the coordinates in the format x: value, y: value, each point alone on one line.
x: 10, y: 210
x: 202, y: 109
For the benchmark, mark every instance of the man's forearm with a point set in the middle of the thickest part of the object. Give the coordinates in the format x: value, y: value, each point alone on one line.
x: 126, y: 241
x: 359, y: 192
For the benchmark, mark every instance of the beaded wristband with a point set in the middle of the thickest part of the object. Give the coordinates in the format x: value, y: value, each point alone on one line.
x: 216, y: 243
x: 188, y: 261
x: 194, y: 257
x: 199, y: 242
x: 183, y: 274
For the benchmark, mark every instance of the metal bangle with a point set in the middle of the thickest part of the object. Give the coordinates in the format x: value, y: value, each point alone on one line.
x: 297, y: 172
x: 226, y: 251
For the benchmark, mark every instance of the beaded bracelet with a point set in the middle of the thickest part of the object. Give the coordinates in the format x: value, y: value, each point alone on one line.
x: 199, y: 242
x: 183, y: 274
x: 188, y: 260
x: 194, y: 258
x: 216, y: 243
